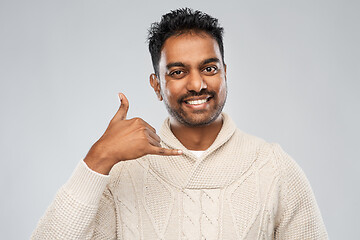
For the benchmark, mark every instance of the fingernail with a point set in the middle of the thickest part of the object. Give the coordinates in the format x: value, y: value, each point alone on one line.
x: 180, y: 152
x: 120, y: 97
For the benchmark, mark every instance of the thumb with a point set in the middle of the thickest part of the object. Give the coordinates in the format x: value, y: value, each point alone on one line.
x: 123, y: 109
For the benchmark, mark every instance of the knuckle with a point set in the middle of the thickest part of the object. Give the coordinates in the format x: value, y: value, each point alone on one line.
x: 143, y: 138
x: 161, y: 151
x: 142, y: 132
x: 137, y: 120
x: 143, y: 128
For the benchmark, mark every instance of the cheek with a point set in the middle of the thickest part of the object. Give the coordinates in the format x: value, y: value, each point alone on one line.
x: 173, y: 89
x: 220, y: 88
x: 222, y: 92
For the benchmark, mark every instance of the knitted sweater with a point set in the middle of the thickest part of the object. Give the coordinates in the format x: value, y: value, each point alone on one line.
x: 240, y: 188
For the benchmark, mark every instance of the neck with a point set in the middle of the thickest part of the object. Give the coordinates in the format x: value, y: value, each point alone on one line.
x: 199, y: 137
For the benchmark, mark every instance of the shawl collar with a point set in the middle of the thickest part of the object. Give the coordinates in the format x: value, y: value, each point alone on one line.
x: 169, y: 139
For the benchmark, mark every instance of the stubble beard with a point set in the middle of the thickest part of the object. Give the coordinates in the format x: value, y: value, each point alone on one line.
x: 182, y: 117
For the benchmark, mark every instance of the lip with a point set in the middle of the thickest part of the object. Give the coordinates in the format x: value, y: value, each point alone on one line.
x: 200, y: 106
x: 207, y: 97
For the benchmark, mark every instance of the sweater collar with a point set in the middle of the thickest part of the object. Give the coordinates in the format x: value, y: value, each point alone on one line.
x: 169, y: 139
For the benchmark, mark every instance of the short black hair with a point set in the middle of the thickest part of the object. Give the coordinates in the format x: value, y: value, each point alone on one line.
x: 180, y: 21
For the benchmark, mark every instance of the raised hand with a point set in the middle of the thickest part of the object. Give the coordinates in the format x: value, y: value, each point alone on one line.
x: 124, y: 140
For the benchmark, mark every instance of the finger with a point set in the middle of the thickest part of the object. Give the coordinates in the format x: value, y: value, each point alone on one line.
x: 165, y: 151
x: 148, y: 126
x: 123, y: 109
x: 153, y: 135
x: 154, y: 142
x: 153, y: 138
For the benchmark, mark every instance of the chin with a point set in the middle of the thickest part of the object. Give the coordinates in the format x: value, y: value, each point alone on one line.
x: 196, y: 121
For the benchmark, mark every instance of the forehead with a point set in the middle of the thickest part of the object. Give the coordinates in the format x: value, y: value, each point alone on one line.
x: 189, y: 48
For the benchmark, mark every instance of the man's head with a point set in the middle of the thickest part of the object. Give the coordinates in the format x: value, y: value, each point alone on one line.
x: 178, y: 22
x: 190, y: 74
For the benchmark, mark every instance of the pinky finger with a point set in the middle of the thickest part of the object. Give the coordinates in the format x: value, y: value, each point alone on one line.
x: 166, y: 152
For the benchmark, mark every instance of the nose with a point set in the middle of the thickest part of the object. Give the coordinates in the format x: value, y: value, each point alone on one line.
x: 196, y: 82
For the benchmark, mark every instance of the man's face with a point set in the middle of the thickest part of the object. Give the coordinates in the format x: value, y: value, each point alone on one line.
x: 192, y: 79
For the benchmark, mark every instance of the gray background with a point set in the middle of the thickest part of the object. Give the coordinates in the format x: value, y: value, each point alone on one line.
x: 293, y: 77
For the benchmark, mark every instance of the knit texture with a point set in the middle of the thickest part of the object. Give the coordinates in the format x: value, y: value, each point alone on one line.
x: 240, y: 188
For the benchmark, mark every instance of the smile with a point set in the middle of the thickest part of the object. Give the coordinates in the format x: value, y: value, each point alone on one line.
x: 197, y: 102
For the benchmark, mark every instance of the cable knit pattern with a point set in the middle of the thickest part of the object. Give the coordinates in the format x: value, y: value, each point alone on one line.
x: 210, y: 213
x: 191, y: 215
x: 245, y: 204
x: 128, y: 207
x: 158, y: 202
x: 240, y: 188
x: 201, y: 214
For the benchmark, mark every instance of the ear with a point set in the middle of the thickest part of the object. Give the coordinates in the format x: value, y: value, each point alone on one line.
x: 155, y: 84
x: 225, y: 70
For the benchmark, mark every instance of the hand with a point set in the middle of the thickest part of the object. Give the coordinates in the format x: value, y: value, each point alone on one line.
x: 124, y: 140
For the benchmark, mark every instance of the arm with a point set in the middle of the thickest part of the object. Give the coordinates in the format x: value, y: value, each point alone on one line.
x: 299, y: 216
x: 76, y: 205
x: 84, y: 207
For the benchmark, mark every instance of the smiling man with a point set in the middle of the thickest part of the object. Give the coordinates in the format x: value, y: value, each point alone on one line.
x: 202, y: 178
x: 191, y: 79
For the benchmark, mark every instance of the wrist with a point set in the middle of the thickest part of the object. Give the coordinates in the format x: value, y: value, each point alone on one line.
x: 98, y: 161
x: 96, y: 166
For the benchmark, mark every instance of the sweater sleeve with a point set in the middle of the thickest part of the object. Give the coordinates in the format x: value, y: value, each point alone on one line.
x: 82, y: 209
x: 299, y: 216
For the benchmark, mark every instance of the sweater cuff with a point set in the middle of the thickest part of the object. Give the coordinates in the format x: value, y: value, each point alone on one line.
x: 86, y: 185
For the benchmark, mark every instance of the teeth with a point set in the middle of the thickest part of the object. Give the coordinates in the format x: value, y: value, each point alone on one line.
x: 196, y: 102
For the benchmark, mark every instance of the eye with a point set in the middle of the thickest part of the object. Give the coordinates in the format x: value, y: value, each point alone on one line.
x: 177, y: 73
x: 210, y: 70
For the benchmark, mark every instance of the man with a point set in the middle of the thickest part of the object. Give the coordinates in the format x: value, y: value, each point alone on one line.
x: 202, y: 178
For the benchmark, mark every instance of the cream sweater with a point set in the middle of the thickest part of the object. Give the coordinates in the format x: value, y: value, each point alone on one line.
x: 241, y: 188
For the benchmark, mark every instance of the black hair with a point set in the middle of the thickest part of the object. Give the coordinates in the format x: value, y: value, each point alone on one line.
x: 180, y: 21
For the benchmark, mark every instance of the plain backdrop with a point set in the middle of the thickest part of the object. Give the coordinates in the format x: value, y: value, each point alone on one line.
x: 293, y: 78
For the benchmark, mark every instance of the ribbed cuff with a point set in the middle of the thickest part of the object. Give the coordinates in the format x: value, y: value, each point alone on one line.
x: 86, y: 185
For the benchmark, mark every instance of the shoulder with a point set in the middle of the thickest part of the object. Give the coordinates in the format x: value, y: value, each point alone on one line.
x: 249, y: 142
x: 252, y: 144
x: 269, y: 152
x: 286, y: 164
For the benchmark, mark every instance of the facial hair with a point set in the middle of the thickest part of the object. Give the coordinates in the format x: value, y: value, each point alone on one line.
x: 181, y: 116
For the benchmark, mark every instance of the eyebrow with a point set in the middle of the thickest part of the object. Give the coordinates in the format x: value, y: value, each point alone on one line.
x: 180, y: 64
x: 175, y: 64
x: 210, y: 60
